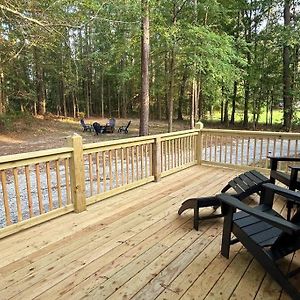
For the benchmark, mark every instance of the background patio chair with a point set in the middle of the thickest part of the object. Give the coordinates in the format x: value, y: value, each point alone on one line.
x: 263, y: 232
x: 86, y: 127
x: 124, y: 129
x: 98, y: 128
x: 110, y: 126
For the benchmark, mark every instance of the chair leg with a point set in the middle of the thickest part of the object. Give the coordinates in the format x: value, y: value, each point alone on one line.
x: 227, y: 228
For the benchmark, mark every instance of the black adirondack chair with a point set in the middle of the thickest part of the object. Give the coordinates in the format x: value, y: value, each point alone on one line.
x: 110, y: 126
x: 86, y: 127
x: 124, y: 129
x: 240, y: 187
x: 263, y: 232
x: 289, y: 179
x: 98, y: 128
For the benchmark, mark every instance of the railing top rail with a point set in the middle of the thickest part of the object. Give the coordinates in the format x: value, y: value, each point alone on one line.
x: 34, y: 154
x: 292, y: 135
x: 149, y: 138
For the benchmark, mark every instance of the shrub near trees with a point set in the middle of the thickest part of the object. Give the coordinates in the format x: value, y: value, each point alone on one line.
x: 66, y: 57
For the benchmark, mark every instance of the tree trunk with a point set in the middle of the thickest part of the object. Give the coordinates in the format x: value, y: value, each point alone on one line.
x: 235, y: 85
x: 171, y: 92
x: 181, y: 96
x: 102, y: 94
x: 2, y: 92
x: 145, y: 48
x: 39, y: 83
x: 246, y: 103
x: 226, y: 118
x: 287, y: 98
x: 192, y: 109
x: 166, y: 90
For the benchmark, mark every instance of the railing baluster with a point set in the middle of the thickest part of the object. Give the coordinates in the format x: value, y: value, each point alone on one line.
x: 146, y: 160
x: 137, y: 155
x: 116, y: 168
x: 104, y: 170
x: 236, y: 150
x: 5, y: 198
x: 39, y: 189
x: 29, y: 196
x: 58, y: 182
x: 132, y: 164
x: 274, y: 147
x: 110, y: 169
x: 267, y: 152
x: 225, y: 150
x: 97, y: 172
x: 122, y: 166
x: 260, y: 154
x: 142, y: 161
x: 248, y: 151
x: 231, y: 149
x: 67, y: 179
x: 242, y: 151
x: 49, y: 185
x: 18, y: 197
x: 210, y: 148
x: 91, y: 173
x: 150, y: 159
x: 216, y: 142
x: 127, y: 165
x: 254, y: 151
x: 205, y: 149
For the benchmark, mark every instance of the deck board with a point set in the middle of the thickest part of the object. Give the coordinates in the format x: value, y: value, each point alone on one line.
x: 135, y: 246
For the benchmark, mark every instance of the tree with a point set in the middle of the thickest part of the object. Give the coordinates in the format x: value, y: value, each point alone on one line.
x: 145, y: 45
x: 286, y: 76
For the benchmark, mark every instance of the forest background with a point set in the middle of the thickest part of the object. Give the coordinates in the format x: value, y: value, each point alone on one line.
x: 213, y: 57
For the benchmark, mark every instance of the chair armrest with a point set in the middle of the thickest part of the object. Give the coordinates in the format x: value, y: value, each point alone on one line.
x: 291, y: 195
x: 275, y: 159
x: 283, y: 158
x: 297, y: 168
x: 278, y: 222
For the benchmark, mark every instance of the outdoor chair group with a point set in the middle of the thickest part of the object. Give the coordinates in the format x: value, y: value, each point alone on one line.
x: 265, y: 233
x: 109, y: 127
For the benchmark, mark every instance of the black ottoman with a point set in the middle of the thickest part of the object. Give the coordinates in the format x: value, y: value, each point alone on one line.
x: 197, y: 203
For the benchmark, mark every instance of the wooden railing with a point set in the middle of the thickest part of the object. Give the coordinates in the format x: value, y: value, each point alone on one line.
x: 42, y: 185
x: 38, y: 186
x: 34, y: 184
x: 247, y: 149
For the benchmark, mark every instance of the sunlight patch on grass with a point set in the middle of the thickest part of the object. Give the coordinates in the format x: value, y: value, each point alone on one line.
x: 10, y: 140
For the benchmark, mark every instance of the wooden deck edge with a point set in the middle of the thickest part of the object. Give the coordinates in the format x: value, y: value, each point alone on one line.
x: 177, y: 169
x: 118, y: 190
x: 14, y: 228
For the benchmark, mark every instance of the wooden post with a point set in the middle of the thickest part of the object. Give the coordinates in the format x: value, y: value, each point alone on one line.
x: 199, y: 145
x: 156, y: 159
x: 77, y: 173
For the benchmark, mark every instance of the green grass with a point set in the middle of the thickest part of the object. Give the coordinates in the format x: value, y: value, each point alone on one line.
x: 239, y: 116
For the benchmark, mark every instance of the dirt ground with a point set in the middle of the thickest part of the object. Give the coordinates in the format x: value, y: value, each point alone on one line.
x: 51, y: 132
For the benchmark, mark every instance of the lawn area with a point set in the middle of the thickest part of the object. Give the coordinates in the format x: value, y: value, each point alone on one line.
x: 239, y: 115
x: 32, y: 134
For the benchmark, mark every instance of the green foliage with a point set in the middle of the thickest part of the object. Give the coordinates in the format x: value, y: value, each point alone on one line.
x: 73, y: 48
x: 10, y: 121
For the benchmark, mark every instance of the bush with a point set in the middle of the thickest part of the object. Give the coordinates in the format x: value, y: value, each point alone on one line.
x: 14, y: 120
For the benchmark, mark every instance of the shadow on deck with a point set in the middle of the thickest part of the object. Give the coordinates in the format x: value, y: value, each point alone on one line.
x: 134, y: 245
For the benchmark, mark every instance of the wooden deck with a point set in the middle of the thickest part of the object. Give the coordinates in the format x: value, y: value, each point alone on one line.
x: 134, y: 245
